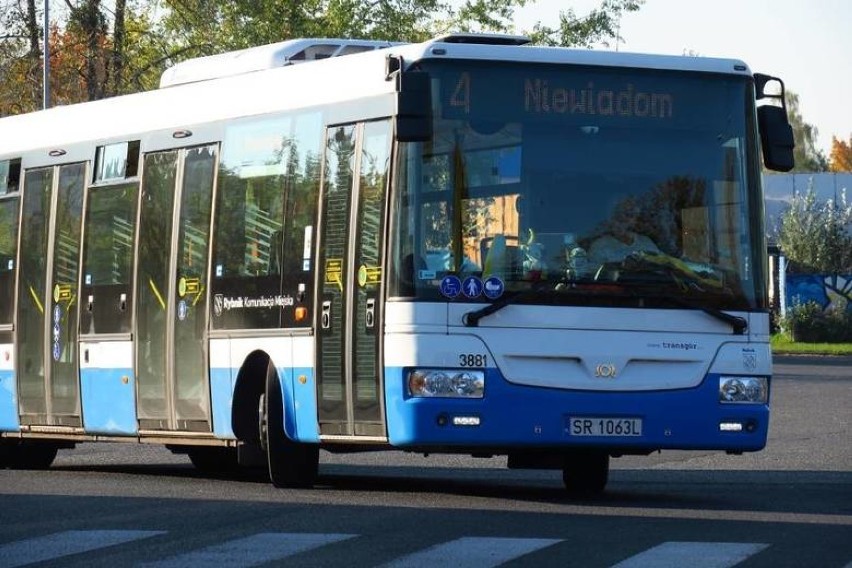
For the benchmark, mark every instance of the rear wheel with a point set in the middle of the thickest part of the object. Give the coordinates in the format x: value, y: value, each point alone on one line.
x: 291, y: 464
x: 586, y: 473
x: 28, y: 455
x: 6, y: 453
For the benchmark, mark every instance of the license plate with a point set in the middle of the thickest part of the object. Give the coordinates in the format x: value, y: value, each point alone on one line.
x: 603, y: 426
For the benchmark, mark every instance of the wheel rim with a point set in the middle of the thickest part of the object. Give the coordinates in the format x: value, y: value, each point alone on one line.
x: 262, y: 421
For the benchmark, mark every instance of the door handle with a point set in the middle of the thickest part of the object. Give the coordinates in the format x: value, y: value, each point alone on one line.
x: 370, y: 313
x: 325, y: 318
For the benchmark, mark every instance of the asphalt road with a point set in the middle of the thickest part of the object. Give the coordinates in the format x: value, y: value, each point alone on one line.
x: 789, y: 505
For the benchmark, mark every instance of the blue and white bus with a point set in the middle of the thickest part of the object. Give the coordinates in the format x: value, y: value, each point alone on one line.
x: 469, y: 245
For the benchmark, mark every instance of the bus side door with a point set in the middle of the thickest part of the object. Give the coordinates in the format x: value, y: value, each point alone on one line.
x: 47, y: 365
x: 351, y: 282
x: 172, y: 367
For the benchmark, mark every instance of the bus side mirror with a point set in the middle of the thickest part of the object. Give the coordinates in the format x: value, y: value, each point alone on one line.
x: 776, y: 134
x: 413, y: 117
x: 776, y: 137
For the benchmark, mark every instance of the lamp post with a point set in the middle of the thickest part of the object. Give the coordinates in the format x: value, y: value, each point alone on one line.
x: 46, y: 77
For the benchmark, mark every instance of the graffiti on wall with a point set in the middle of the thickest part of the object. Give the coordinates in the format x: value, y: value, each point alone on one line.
x: 832, y: 292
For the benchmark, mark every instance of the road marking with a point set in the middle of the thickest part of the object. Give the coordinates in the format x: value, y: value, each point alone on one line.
x: 693, y: 554
x: 473, y: 552
x: 250, y: 551
x: 57, y: 545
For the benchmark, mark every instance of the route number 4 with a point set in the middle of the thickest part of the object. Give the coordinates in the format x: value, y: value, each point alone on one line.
x: 461, y: 94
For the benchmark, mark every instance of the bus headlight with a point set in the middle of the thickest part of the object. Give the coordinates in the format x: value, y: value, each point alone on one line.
x: 446, y: 383
x: 753, y: 390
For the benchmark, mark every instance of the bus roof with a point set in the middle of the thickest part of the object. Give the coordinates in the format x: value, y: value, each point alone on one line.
x: 332, y: 80
x: 263, y: 57
x: 512, y: 48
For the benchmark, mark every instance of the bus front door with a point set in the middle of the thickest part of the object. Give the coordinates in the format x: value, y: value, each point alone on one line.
x: 47, y: 359
x: 171, y: 287
x: 349, y: 348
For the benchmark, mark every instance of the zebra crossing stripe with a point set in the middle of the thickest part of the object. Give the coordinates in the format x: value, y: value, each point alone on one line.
x: 250, y: 551
x: 473, y: 552
x: 53, y: 546
x: 693, y: 554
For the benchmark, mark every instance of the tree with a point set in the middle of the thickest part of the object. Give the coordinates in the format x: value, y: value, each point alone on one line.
x: 817, y: 237
x: 101, y: 48
x: 98, y: 48
x: 20, y: 57
x: 210, y: 26
x: 598, y: 26
x: 840, y: 159
x: 806, y: 156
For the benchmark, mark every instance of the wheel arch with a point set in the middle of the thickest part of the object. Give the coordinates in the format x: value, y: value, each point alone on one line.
x: 250, y: 384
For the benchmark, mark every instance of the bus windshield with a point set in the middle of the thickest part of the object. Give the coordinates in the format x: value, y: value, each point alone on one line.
x: 571, y: 185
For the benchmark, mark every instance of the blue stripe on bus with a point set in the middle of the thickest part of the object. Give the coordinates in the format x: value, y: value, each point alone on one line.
x: 108, y: 399
x: 304, y: 397
x: 9, y: 421
x: 222, y: 381
x: 523, y: 416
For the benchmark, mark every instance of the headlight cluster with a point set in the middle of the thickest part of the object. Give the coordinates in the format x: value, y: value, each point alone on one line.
x: 446, y: 383
x: 753, y: 390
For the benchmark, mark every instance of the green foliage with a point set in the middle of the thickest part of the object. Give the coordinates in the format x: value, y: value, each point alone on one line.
x: 211, y: 26
x: 817, y: 237
x: 783, y: 345
x: 805, y: 155
x: 598, y: 26
x: 103, y: 48
x: 809, y: 323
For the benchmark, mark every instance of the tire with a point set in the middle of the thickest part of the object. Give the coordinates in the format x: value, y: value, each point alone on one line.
x: 586, y: 473
x: 291, y: 464
x: 30, y: 455
x: 214, y: 461
x: 6, y: 449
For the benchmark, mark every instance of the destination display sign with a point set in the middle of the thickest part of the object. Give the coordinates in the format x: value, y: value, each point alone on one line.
x: 586, y: 96
x: 541, y: 96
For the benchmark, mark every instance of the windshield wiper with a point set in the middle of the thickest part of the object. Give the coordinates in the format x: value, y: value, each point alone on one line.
x: 471, y: 319
x: 687, y: 280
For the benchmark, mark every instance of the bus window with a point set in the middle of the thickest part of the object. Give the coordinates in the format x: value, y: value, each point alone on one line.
x: 116, y: 161
x: 108, y: 259
x: 10, y: 176
x: 301, y: 213
x: 258, y: 253
x: 249, y: 220
x: 8, y: 253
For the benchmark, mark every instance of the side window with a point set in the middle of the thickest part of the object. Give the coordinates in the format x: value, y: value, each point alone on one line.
x: 108, y: 259
x: 301, y: 214
x: 116, y: 161
x: 265, y: 210
x: 248, y: 225
x: 10, y: 176
x: 8, y: 255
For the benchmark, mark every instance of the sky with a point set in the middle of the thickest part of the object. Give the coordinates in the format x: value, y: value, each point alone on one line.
x: 808, y: 44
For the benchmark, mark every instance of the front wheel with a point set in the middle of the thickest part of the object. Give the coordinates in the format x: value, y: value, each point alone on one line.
x: 586, y: 473
x: 291, y: 464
